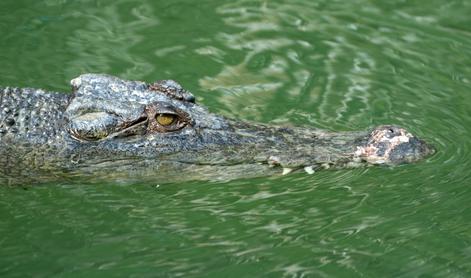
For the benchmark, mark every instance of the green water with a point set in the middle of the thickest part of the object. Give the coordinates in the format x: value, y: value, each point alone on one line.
x: 339, y: 65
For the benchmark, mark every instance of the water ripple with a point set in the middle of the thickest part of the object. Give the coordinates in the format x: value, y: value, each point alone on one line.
x: 328, y: 64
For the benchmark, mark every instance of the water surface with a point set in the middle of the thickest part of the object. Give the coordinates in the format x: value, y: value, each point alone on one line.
x: 329, y: 64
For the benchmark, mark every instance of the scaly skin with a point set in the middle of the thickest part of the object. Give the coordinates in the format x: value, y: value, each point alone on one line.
x: 114, y: 128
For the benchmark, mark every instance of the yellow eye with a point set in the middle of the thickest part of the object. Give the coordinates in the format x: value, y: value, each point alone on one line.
x: 166, y: 119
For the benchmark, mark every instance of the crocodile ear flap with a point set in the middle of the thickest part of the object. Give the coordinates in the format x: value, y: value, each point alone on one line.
x: 92, y: 126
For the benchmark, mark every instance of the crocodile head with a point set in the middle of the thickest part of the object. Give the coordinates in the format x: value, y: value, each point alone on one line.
x: 113, y: 120
x: 136, y: 119
x: 105, y: 108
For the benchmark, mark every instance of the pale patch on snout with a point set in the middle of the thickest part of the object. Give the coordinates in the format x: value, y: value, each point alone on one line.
x: 381, y: 143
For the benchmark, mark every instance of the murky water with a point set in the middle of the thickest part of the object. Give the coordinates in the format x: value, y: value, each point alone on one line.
x: 331, y: 64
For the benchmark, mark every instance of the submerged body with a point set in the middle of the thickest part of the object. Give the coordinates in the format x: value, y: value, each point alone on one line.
x: 110, y: 127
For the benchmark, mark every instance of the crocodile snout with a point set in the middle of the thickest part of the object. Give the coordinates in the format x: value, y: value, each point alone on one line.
x: 393, y: 145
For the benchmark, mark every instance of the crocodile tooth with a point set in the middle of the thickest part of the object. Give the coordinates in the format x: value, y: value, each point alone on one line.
x: 309, y: 170
x: 286, y: 171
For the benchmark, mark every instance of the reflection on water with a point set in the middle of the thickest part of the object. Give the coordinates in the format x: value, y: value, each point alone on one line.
x: 115, y: 41
x: 328, y: 64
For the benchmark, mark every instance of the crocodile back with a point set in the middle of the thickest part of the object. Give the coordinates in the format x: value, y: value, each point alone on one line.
x: 30, y: 114
x: 31, y: 125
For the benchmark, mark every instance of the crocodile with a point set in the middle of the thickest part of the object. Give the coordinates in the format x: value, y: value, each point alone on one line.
x: 123, y: 129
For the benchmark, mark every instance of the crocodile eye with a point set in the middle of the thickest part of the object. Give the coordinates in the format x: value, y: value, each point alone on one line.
x: 166, y: 119
x: 163, y: 117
